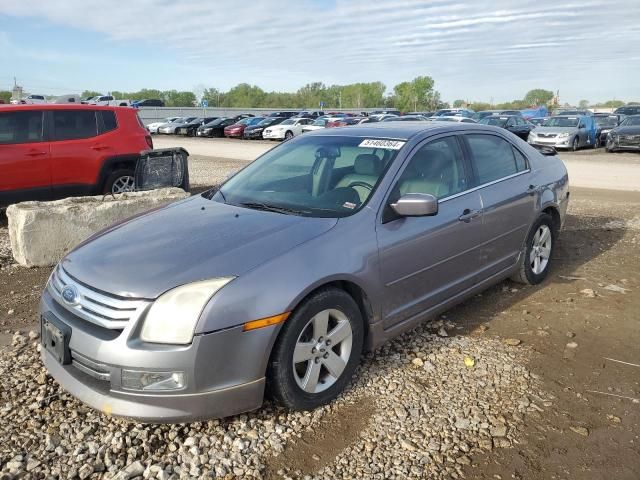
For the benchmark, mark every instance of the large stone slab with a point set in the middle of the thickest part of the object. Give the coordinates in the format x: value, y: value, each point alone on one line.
x: 41, y: 233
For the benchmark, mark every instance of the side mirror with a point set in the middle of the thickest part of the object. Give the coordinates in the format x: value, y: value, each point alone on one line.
x: 416, y: 205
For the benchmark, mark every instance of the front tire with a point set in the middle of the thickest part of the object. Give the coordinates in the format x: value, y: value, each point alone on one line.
x: 537, y: 252
x: 288, y: 135
x: 317, y: 350
x: 575, y: 144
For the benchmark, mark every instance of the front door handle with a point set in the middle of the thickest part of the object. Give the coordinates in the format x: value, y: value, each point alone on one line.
x: 99, y: 147
x: 468, y: 215
x: 35, y: 153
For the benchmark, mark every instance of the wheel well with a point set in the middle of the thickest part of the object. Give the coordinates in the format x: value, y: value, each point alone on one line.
x: 358, y: 295
x: 555, y: 217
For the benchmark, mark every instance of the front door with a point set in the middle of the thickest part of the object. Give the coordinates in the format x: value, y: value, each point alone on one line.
x: 424, y: 261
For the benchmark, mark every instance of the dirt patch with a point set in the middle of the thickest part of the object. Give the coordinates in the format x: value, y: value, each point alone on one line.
x: 319, y: 448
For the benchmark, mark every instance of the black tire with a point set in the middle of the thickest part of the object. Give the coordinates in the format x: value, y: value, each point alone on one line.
x: 280, y: 375
x: 288, y: 135
x: 525, y: 274
x: 575, y: 145
x: 114, y: 177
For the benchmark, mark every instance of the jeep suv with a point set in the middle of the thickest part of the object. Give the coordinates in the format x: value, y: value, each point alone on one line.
x: 57, y: 151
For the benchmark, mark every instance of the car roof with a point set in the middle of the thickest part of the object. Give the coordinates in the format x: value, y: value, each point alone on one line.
x: 399, y: 130
x: 61, y: 106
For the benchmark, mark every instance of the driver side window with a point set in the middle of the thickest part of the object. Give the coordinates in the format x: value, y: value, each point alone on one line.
x: 437, y: 168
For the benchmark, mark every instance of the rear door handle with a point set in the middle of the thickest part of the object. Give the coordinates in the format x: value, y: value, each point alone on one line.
x: 468, y: 215
x: 35, y: 153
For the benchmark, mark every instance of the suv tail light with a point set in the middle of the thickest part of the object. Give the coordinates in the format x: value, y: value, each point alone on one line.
x: 149, y: 141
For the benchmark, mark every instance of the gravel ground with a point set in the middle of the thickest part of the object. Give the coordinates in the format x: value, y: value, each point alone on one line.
x: 427, y: 402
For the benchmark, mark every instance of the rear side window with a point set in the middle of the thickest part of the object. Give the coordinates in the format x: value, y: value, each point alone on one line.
x: 21, y: 127
x: 493, y: 157
x: 74, y: 124
x: 521, y: 161
x: 108, y: 122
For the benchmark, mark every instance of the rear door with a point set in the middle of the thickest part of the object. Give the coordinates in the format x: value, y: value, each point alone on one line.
x: 425, y: 261
x: 76, y: 151
x: 504, y: 181
x: 25, y: 159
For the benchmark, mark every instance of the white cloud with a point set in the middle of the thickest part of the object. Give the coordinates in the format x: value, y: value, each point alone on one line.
x: 473, y: 48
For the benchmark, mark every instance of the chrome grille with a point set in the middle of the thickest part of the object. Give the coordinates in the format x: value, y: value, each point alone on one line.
x: 91, y: 368
x: 99, y: 308
x: 547, y: 135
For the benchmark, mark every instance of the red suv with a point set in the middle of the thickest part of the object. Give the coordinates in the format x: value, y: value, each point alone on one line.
x: 56, y: 151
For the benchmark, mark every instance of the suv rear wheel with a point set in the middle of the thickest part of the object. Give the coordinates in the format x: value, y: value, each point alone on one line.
x: 120, y: 181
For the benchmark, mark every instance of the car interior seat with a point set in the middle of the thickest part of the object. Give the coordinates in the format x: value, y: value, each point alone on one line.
x: 367, y: 168
x: 430, y: 171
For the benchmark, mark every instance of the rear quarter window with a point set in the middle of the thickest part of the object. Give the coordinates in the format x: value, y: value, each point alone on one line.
x: 106, y: 121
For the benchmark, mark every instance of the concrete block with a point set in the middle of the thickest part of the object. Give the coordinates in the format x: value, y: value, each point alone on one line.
x: 41, y: 233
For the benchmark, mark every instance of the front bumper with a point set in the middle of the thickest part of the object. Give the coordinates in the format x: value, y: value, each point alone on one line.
x: 628, y: 142
x: 233, y: 133
x: 252, y: 134
x: 224, y: 370
x: 564, y: 142
x: 273, y: 135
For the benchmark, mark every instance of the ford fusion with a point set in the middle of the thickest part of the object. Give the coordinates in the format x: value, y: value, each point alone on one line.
x: 323, y: 248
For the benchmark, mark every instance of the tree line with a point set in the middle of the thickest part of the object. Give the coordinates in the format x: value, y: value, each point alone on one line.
x: 418, y: 94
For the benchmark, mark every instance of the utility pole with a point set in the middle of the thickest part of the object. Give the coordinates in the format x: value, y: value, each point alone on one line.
x: 340, y: 99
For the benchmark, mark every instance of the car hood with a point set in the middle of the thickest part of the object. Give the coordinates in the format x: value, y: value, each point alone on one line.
x: 255, y: 127
x: 185, y: 242
x: 556, y: 129
x: 631, y: 130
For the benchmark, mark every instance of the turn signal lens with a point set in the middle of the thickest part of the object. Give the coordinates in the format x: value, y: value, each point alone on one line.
x: 266, y: 322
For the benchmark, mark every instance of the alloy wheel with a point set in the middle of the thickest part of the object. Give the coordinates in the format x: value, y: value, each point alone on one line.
x: 540, y: 250
x: 322, y: 351
x: 123, y: 184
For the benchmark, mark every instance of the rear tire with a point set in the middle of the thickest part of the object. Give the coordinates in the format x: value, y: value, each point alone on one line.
x: 327, y: 352
x: 120, y: 181
x: 537, y: 254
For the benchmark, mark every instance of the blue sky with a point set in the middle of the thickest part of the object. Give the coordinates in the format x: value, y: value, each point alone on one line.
x: 474, y: 49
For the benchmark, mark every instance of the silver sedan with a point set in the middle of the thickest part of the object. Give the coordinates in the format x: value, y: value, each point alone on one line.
x: 324, y: 247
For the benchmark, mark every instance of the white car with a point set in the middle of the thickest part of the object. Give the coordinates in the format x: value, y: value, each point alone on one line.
x: 317, y: 124
x: 34, y: 99
x: 286, y: 130
x: 153, y: 127
x: 108, y: 100
x: 447, y: 118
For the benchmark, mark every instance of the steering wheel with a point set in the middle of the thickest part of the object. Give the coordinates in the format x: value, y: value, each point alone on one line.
x: 360, y: 184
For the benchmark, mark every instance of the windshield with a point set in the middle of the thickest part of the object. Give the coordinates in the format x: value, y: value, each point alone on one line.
x: 562, y: 122
x: 254, y: 120
x: 631, y: 121
x: 316, y: 176
x: 267, y: 121
x: 321, y: 122
x: 496, y: 121
x: 607, y: 121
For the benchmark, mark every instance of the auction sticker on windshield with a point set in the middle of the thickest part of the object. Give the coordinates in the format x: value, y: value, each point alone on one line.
x: 388, y: 144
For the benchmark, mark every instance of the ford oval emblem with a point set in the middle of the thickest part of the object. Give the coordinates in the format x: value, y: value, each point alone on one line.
x: 70, y: 295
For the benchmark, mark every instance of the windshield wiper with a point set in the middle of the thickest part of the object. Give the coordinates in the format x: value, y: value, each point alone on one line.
x: 273, y: 208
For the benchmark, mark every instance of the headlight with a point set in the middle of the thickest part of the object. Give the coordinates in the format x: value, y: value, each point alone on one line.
x: 173, y: 316
x: 563, y: 135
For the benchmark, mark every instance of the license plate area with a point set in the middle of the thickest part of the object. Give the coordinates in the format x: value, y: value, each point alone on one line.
x: 55, y: 338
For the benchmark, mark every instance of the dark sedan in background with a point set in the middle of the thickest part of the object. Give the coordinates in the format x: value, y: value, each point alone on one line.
x: 514, y: 123
x: 254, y: 132
x: 605, y: 122
x: 625, y: 136
x: 215, y: 128
x: 189, y: 129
